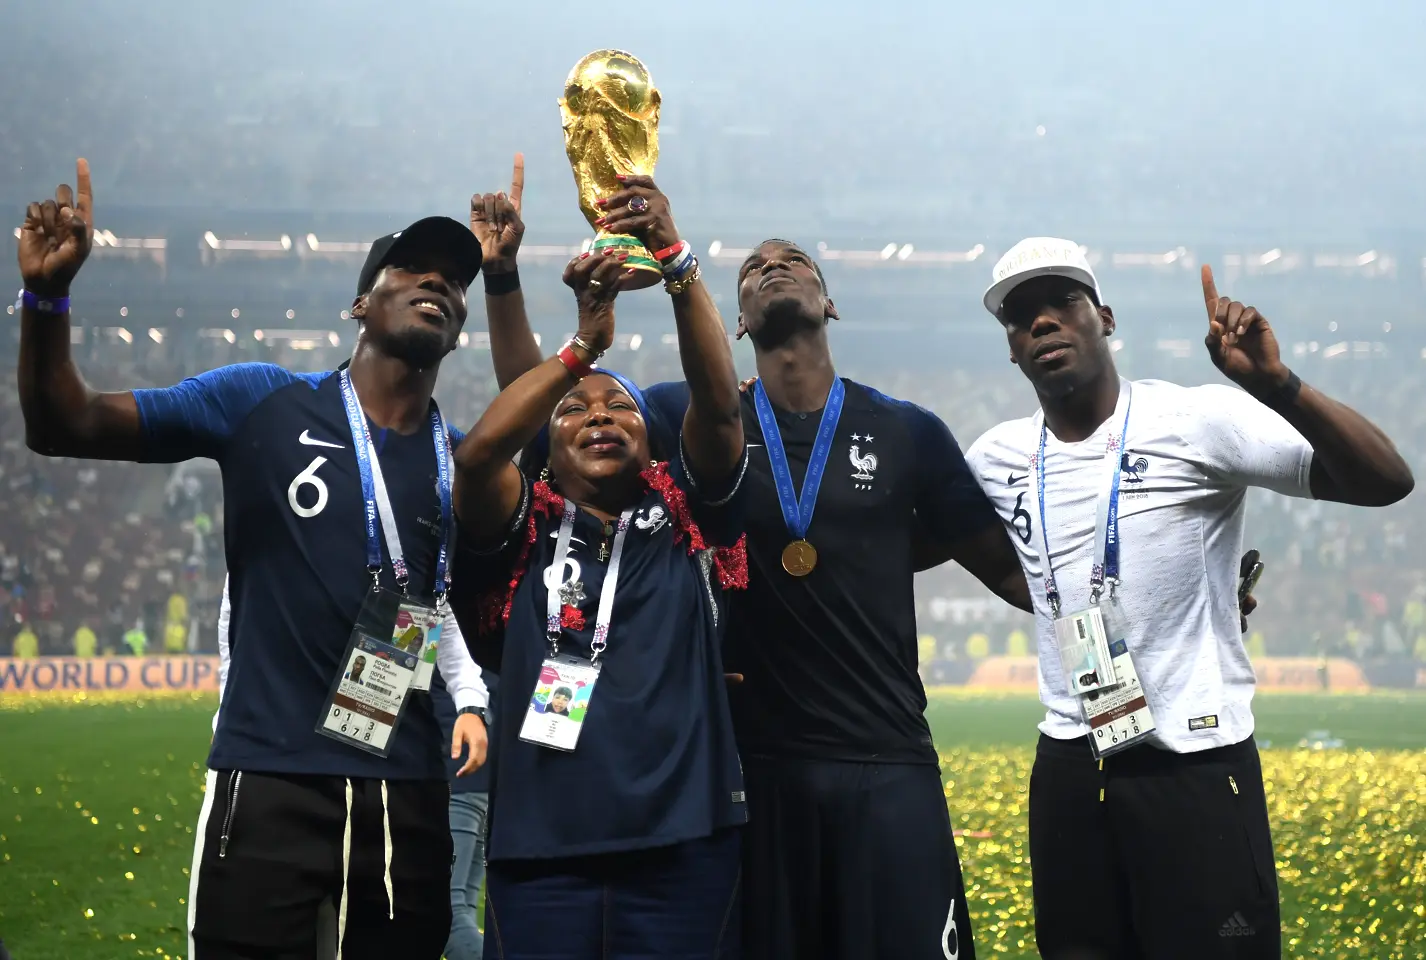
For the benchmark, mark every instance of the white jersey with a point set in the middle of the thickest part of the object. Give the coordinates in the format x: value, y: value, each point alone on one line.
x: 1187, y: 460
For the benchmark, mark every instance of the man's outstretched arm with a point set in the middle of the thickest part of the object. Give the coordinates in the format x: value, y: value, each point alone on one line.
x: 64, y: 417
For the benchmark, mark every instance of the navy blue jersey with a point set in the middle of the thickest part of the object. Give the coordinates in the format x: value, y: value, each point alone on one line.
x: 479, y: 781
x: 295, y: 540
x: 830, y: 659
x: 655, y: 763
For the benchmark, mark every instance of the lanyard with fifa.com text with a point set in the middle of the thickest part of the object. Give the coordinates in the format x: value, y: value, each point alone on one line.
x: 1106, y: 531
x: 377, y: 503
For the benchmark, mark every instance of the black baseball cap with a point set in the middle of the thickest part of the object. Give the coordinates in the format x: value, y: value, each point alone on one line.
x: 432, y: 233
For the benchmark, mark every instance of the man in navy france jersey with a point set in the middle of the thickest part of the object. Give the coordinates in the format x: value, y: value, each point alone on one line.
x: 1149, y: 832
x: 306, y: 842
x: 848, y: 850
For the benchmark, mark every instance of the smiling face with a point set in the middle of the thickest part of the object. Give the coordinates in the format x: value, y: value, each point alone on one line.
x: 597, y: 437
x: 781, y: 291
x: 1058, y: 335
x: 415, y: 308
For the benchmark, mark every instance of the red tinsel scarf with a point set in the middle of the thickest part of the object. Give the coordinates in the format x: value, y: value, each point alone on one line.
x: 730, y: 564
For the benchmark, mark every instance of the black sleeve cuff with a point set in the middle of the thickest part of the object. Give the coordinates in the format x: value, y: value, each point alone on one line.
x: 517, y: 524
x: 730, y: 487
x: 499, y: 284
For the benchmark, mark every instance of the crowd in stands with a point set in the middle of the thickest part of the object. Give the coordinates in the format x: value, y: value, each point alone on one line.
x: 122, y: 549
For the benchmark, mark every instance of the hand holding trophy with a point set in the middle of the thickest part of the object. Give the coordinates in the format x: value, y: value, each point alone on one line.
x: 610, y: 112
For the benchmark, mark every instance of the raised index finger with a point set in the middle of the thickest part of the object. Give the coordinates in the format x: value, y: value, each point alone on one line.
x: 1210, y: 291
x: 86, y: 192
x: 517, y: 181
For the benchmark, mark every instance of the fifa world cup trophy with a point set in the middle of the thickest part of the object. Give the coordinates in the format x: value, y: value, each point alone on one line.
x: 610, y: 111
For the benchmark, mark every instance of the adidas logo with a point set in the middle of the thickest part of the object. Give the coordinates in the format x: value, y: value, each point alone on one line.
x: 1236, y: 927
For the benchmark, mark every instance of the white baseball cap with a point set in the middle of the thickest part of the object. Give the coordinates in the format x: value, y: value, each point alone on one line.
x: 1038, y: 257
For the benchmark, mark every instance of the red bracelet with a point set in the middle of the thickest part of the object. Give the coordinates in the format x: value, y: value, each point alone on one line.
x: 572, y: 363
x: 668, y: 253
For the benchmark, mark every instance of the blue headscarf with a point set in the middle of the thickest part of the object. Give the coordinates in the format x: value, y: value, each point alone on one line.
x: 633, y: 389
x: 538, y: 453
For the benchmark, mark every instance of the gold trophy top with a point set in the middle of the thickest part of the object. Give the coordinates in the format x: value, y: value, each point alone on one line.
x: 610, y: 111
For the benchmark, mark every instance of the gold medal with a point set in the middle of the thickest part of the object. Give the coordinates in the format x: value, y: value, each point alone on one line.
x: 799, y: 557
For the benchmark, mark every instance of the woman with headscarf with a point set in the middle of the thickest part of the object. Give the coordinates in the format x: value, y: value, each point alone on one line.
x: 604, y: 579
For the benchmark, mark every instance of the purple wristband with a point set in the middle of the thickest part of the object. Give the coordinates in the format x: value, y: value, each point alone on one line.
x: 44, y: 305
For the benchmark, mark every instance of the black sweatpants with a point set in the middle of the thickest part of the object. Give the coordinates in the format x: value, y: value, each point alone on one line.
x: 1156, y: 856
x: 272, y: 858
x: 850, y: 861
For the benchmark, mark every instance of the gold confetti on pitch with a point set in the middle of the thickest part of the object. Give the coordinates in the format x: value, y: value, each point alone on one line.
x: 1347, y: 831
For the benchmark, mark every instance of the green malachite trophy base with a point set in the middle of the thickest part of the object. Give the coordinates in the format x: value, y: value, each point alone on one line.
x: 647, y: 270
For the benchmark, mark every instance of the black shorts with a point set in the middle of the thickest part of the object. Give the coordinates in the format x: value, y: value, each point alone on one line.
x: 1172, y: 860
x: 850, y: 861
x: 272, y: 859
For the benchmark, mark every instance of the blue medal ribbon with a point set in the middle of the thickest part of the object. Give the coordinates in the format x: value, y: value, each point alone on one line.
x: 377, y: 506
x: 797, y: 512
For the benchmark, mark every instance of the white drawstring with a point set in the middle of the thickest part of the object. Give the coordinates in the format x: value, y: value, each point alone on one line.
x: 346, y: 868
x: 386, y: 855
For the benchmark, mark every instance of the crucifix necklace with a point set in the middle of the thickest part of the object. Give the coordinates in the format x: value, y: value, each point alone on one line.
x: 604, y: 544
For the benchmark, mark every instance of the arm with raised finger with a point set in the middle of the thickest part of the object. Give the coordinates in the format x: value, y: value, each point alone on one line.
x: 495, y: 221
x: 488, y: 485
x: 713, y: 424
x: 1353, y: 461
x: 64, y: 417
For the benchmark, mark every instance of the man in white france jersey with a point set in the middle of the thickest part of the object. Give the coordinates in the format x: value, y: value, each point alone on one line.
x: 1149, y: 832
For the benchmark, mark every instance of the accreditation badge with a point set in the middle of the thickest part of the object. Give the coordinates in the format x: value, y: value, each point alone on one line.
x: 1083, y: 643
x: 1119, y: 717
x: 560, y: 702
x: 418, y: 630
x: 378, y: 671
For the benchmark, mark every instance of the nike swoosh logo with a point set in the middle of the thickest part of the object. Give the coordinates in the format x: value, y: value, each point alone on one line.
x: 308, y: 441
x: 1012, y: 479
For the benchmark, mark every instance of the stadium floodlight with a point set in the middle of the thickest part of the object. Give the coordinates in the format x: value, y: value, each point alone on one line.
x: 715, y: 248
x: 257, y: 335
x: 236, y: 313
x: 230, y: 336
x: 155, y: 334
x: 887, y: 251
x: 975, y: 251
x: 286, y: 242
x: 124, y: 335
x: 463, y: 340
x: 1366, y: 258
x: 333, y: 338
x: 312, y: 242
x: 291, y: 314
x: 123, y: 311
x: 1271, y: 256
x: 346, y: 315
x: 636, y: 341
x: 211, y: 239
x: 905, y: 251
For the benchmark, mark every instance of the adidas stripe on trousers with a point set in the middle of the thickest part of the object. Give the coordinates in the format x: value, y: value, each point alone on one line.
x: 1158, y: 856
